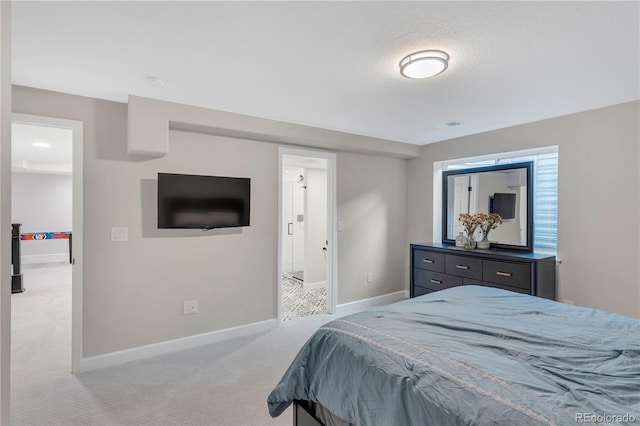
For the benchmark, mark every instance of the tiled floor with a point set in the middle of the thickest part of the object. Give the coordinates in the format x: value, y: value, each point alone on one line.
x: 300, y: 302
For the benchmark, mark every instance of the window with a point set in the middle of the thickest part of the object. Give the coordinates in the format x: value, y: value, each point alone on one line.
x: 545, y: 189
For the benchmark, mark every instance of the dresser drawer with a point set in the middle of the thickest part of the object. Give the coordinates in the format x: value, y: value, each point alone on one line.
x: 428, y: 260
x: 421, y: 291
x: 434, y: 280
x: 507, y: 273
x: 436, y: 266
x: 469, y: 281
x: 506, y: 287
x: 463, y: 266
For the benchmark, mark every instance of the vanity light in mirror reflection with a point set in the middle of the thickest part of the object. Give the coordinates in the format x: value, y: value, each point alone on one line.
x: 504, y: 189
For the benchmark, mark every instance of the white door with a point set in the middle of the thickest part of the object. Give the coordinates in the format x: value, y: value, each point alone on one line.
x: 460, y: 202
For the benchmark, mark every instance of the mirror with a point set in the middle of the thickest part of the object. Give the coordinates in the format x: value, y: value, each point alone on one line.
x: 504, y: 189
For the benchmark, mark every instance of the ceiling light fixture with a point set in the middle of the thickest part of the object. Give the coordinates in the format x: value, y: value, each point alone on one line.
x: 424, y: 64
x: 41, y: 144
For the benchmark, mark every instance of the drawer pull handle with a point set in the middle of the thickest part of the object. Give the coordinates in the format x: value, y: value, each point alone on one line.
x: 428, y: 261
x: 462, y: 267
x: 504, y: 274
x: 436, y: 281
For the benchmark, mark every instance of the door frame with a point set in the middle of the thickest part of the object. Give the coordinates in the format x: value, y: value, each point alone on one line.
x: 332, y: 219
x: 76, y: 128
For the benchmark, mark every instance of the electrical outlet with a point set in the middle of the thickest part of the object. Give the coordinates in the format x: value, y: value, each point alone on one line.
x: 190, y: 307
x: 568, y: 302
x: 120, y: 234
x: 369, y: 277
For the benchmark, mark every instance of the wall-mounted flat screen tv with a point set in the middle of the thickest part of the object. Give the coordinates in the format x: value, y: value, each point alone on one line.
x: 202, y: 202
x: 503, y: 204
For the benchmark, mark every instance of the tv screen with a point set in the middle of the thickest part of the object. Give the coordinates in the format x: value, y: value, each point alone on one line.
x: 504, y: 205
x: 202, y: 202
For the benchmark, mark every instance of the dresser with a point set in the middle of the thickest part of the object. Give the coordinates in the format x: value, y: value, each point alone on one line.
x: 437, y: 266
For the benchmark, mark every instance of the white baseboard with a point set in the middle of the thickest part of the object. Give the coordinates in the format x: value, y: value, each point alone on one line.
x: 319, y: 284
x: 133, y: 354
x: 360, y: 305
x: 141, y: 352
x: 30, y: 259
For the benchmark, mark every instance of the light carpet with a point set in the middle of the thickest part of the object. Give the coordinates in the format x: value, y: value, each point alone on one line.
x: 225, y: 383
x: 219, y: 384
x: 41, y: 322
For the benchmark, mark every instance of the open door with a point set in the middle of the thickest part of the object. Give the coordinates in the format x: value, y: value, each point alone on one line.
x: 307, y: 227
x: 42, y: 216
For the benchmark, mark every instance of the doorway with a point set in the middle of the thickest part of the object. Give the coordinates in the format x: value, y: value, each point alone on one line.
x: 47, y: 202
x: 306, y: 234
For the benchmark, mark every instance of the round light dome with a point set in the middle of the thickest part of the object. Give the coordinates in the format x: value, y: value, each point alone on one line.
x: 423, y: 64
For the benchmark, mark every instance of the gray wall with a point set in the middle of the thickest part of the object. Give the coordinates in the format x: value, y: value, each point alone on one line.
x: 41, y: 202
x: 372, y: 198
x: 145, y: 280
x: 133, y: 291
x: 598, y: 191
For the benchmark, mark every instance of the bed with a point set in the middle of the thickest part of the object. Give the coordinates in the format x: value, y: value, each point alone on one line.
x: 467, y: 355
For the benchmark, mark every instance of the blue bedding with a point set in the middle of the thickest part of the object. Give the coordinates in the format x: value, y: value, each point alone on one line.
x: 470, y: 355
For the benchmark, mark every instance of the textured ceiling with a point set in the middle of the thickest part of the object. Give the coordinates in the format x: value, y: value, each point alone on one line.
x: 335, y: 64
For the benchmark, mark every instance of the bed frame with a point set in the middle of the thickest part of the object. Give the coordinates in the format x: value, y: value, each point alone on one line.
x: 302, y: 415
x: 307, y: 413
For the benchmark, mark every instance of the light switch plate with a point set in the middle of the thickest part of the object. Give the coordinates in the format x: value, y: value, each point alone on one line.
x: 120, y: 234
x: 190, y: 307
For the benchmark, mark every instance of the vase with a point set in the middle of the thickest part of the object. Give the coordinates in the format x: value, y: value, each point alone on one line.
x: 484, y: 244
x: 469, y: 243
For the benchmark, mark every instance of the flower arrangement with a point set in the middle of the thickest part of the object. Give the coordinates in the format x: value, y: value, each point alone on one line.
x: 485, y: 221
x: 489, y: 221
x: 470, y: 223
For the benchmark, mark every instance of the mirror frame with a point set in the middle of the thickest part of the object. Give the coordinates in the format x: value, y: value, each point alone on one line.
x: 528, y: 165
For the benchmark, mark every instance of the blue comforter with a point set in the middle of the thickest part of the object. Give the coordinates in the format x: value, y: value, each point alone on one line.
x: 470, y: 355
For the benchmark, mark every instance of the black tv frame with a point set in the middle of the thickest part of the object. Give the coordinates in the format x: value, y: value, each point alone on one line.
x: 188, y: 196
